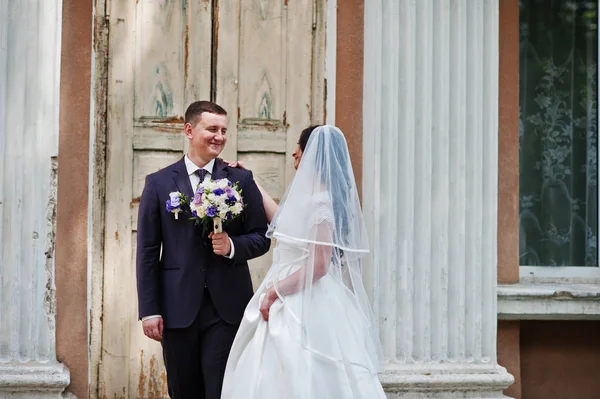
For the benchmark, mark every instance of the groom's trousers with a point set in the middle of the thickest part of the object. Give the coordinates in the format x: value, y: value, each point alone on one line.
x: 195, y: 356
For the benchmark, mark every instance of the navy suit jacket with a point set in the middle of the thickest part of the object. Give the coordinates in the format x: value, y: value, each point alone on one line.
x: 172, y: 283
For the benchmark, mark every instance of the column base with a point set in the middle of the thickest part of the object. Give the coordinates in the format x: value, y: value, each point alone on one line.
x: 33, y: 380
x: 445, y: 381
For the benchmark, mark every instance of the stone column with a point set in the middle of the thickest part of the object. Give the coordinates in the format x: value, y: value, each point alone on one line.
x: 430, y: 193
x: 29, y: 87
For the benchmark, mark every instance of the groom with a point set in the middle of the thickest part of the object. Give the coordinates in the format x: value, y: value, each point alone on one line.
x: 192, y: 292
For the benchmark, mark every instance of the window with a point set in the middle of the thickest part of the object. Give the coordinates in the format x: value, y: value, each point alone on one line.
x: 558, y: 137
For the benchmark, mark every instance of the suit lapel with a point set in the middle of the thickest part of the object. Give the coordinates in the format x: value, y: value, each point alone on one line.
x: 219, y: 170
x: 182, y: 180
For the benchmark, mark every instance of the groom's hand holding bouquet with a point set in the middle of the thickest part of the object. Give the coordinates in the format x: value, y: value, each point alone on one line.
x: 214, y: 203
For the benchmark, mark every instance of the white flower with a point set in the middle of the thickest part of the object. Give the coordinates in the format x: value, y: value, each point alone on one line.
x: 237, y: 208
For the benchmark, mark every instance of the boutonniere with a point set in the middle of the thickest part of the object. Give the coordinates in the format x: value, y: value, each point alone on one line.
x: 216, y: 202
x: 176, y: 199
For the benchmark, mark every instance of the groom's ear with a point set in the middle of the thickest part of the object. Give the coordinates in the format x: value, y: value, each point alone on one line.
x: 187, y: 129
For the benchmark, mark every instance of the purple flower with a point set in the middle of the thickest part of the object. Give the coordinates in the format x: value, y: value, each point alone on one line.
x: 218, y: 191
x: 198, y: 198
x: 194, y: 213
x: 229, y: 192
x: 173, y: 202
x: 230, y: 201
x: 229, y: 183
x: 212, y: 211
x: 174, y: 199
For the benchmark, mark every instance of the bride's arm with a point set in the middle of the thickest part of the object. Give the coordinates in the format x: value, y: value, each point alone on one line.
x: 268, y: 203
x: 296, y: 281
x: 321, y: 259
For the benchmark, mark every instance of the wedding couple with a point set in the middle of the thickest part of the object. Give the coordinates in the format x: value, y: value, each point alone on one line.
x: 308, y: 331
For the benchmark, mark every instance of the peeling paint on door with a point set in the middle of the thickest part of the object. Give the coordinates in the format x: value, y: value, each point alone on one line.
x: 152, y: 381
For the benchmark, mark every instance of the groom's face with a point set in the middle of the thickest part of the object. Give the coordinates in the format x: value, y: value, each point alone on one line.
x: 208, y: 136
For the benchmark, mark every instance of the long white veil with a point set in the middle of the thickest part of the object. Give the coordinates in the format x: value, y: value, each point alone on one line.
x: 320, y: 217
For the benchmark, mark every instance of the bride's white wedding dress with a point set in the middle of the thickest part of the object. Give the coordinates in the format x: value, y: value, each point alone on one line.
x: 316, y: 344
x: 321, y: 340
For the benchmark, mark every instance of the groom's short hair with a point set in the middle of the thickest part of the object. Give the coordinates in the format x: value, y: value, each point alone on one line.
x: 195, y: 110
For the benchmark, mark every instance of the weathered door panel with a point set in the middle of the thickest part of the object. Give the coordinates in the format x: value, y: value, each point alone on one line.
x: 163, y: 54
x: 159, y: 60
x: 264, y: 71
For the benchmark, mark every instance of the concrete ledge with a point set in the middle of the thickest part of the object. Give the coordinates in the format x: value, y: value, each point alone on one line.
x: 445, y: 381
x: 33, y: 380
x: 545, y: 301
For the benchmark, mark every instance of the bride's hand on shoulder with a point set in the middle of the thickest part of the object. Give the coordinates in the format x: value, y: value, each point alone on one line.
x: 268, y: 301
x: 236, y: 164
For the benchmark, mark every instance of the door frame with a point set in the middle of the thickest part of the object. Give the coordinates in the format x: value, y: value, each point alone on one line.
x: 97, y: 189
x: 322, y: 80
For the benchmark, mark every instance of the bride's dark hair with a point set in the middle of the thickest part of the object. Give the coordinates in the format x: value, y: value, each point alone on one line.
x: 305, y: 135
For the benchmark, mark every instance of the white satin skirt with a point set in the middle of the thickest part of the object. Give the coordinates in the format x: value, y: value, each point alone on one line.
x: 313, y: 347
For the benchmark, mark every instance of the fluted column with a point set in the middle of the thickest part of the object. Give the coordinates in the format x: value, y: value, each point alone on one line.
x: 29, y: 74
x: 430, y: 193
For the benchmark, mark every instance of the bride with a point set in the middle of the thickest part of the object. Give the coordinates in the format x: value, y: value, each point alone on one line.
x: 308, y: 332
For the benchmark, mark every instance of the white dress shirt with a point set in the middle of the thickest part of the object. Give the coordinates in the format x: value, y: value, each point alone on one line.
x: 192, y: 168
x: 195, y: 180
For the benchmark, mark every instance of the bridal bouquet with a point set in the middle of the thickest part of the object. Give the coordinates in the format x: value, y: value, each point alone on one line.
x: 215, y: 202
